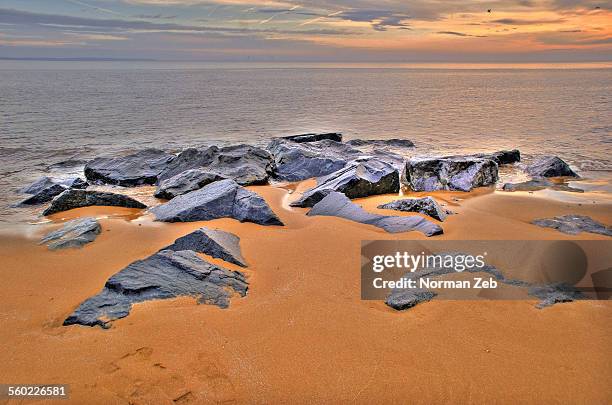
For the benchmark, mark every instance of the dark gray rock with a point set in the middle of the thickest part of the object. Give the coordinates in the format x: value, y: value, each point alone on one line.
x: 550, y: 166
x: 46, y: 182
x: 357, y: 179
x: 213, y: 242
x: 44, y: 195
x: 221, y: 199
x: 183, y: 183
x: 74, y: 198
x: 393, y: 142
x: 245, y: 164
x: 405, y: 299
x: 554, y: 293
x: 75, y: 233
x: 502, y: 157
x: 539, y: 183
x: 338, y: 205
x: 426, y: 206
x: 574, y: 224
x: 75, y: 182
x: 166, y: 274
x: 458, y: 173
x: 302, y: 138
x: 136, y: 169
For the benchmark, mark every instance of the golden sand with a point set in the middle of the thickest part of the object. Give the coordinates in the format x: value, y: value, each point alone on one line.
x: 302, y: 334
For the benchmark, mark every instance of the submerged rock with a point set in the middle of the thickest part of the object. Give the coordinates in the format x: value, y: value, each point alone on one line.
x: 213, y: 242
x: 166, y: 274
x: 136, y: 169
x: 302, y: 138
x: 73, y: 198
x: 574, y: 224
x: 426, y: 206
x: 75, y: 233
x: 458, y: 173
x: 245, y: 164
x: 183, y: 183
x: 357, y: 179
x: 221, y: 199
x: 338, y: 205
x: 539, y: 183
x: 550, y: 166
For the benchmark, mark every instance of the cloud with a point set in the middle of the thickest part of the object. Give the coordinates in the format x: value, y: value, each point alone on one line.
x: 518, y: 21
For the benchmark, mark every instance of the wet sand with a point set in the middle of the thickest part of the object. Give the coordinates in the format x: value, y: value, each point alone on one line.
x: 302, y: 334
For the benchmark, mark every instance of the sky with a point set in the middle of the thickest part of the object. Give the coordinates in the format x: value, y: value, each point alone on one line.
x: 309, y: 31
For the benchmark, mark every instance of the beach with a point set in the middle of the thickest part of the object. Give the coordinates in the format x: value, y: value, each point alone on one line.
x: 302, y: 333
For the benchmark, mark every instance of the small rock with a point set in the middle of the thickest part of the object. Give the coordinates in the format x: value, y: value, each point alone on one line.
x: 393, y: 142
x: 574, y: 224
x: 75, y: 233
x: 215, y: 243
x: 550, y: 166
x: 426, y: 206
x: 303, y: 138
x: 44, y: 195
x: 405, y: 299
x: 183, y: 183
x: 74, y: 198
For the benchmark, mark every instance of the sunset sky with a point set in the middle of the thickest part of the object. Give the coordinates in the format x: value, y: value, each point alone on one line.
x: 319, y: 30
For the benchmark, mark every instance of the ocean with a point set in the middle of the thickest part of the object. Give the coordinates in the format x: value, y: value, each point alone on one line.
x: 53, y: 112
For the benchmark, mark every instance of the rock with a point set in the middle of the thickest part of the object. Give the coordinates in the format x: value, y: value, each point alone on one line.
x: 46, y: 182
x: 332, y: 136
x: 245, y: 164
x: 405, y: 299
x: 300, y: 161
x: 539, y: 183
x: 554, y: 293
x: 213, y: 242
x: 74, y: 198
x: 221, y: 199
x: 550, y: 166
x: 75, y: 233
x: 338, y: 205
x: 426, y: 206
x: 458, y: 173
x: 574, y: 224
x: 166, y: 274
x: 357, y: 179
x: 502, y: 157
x: 182, y: 183
x: 393, y: 142
x: 44, y: 195
x: 136, y: 169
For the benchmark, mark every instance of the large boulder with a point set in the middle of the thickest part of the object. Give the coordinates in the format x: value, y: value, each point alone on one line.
x: 75, y: 233
x: 302, y: 138
x: 457, y: 173
x: 245, y: 164
x: 426, y: 206
x: 74, y: 198
x: 142, y: 167
x: 574, y: 224
x: 221, y: 199
x: 183, y: 183
x: 300, y: 161
x: 357, y: 179
x: 166, y: 274
x: 550, y: 166
x: 213, y: 242
x: 338, y: 205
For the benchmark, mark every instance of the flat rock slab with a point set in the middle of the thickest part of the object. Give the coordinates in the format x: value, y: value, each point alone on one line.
x: 357, y: 179
x: 221, y: 199
x: 166, y: 274
x: 393, y: 142
x: 303, y: 138
x: 74, y: 234
x: 185, y: 182
x: 73, y: 198
x: 245, y: 164
x: 574, y: 224
x: 550, y: 166
x: 458, y: 173
x: 338, y: 205
x: 139, y: 168
x: 426, y: 206
x: 539, y: 183
x: 213, y: 242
